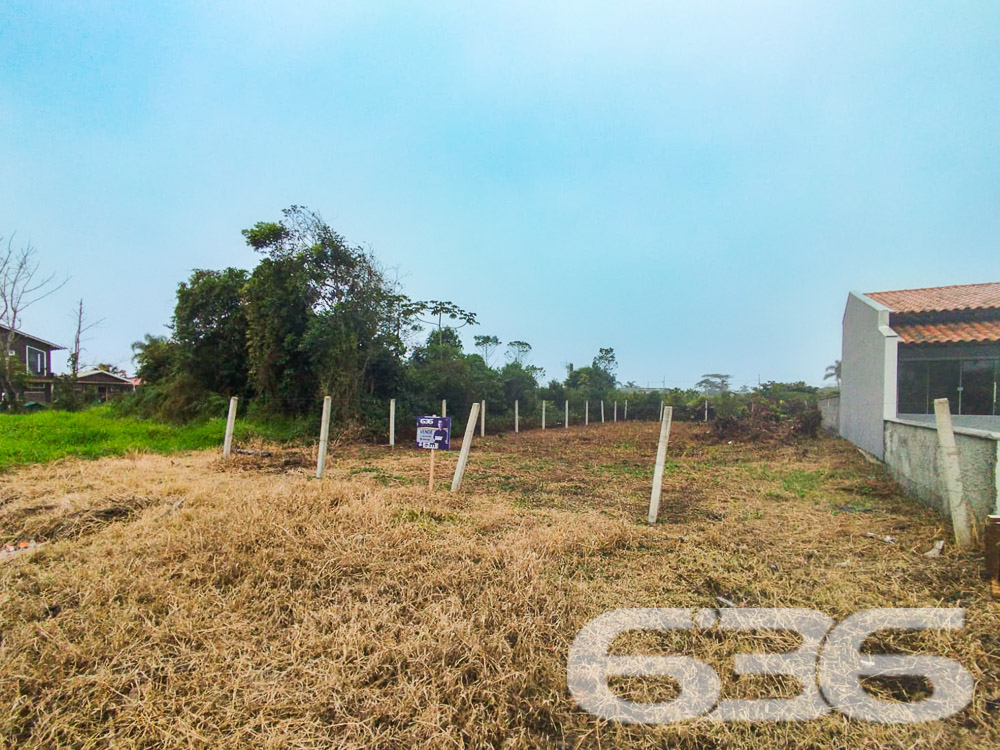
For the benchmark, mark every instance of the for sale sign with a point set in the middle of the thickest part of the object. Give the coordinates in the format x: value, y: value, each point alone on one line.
x: 434, y: 433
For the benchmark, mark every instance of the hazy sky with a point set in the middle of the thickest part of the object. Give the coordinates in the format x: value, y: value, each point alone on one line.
x: 697, y: 184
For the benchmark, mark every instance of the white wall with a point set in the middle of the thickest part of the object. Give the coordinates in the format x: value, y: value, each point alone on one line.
x: 867, y: 373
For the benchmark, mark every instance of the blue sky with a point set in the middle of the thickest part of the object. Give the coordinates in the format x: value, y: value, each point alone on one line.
x: 696, y: 184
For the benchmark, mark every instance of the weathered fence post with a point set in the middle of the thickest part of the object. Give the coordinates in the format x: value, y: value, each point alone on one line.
x: 961, y: 515
x: 444, y: 407
x: 543, y: 413
x: 227, y: 445
x: 463, y: 455
x: 586, y: 413
x: 392, y: 422
x: 661, y: 458
x: 324, y: 437
x: 616, y: 410
x: 602, y: 411
x: 482, y: 420
x: 566, y: 423
x: 517, y: 418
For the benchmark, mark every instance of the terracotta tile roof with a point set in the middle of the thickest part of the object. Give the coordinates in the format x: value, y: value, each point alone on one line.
x: 957, y: 331
x: 941, y: 298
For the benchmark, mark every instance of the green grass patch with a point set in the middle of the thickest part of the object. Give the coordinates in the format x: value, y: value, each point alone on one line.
x: 50, y: 435
x: 802, y: 482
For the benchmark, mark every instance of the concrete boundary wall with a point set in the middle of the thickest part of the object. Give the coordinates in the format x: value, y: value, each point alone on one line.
x: 912, y: 459
x: 829, y: 409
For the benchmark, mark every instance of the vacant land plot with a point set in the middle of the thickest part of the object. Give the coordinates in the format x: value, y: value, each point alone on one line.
x: 181, y: 601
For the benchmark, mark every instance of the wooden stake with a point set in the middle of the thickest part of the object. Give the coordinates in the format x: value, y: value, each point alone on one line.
x: 324, y: 437
x: 430, y: 481
x: 463, y: 455
x: 227, y: 445
x: 661, y: 458
x: 444, y: 407
x: 517, y: 418
x: 392, y: 422
x: 961, y: 515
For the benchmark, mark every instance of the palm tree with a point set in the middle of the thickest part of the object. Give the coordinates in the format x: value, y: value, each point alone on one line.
x: 833, y: 371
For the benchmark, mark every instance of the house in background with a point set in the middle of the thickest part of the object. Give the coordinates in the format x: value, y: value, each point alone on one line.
x: 101, y: 385
x: 36, y: 356
x: 901, y: 351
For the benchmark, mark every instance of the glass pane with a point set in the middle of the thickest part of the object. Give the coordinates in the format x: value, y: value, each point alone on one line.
x: 912, y: 388
x: 977, y: 386
x: 942, y: 382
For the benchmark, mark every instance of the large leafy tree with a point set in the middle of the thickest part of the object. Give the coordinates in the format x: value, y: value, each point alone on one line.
x: 350, y: 320
x: 210, y: 329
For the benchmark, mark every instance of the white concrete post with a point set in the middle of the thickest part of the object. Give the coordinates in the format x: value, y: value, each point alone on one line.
x: 625, y: 416
x: 392, y: 422
x: 616, y: 410
x: 566, y: 423
x: 661, y: 458
x: 602, y: 411
x: 227, y: 445
x: 324, y: 437
x: 463, y: 455
x: 961, y: 515
x: 706, y: 411
x: 586, y: 413
x: 482, y: 420
x: 444, y: 407
x: 517, y: 418
x: 543, y: 413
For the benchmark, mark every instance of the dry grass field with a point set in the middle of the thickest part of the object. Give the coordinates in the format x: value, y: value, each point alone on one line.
x: 177, y: 601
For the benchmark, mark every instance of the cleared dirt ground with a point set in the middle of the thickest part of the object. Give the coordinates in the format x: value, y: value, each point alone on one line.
x: 180, y: 601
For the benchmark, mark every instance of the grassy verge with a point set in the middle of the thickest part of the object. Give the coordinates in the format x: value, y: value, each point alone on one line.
x: 51, y: 435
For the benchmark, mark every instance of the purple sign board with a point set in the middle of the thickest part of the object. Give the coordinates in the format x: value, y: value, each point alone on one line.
x: 434, y: 433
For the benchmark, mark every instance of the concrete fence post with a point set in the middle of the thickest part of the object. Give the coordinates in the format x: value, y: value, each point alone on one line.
x: 961, y: 514
x: 324, y: 437
x: 463, y: 455
x: 227, y: 445
x: 661, y: 459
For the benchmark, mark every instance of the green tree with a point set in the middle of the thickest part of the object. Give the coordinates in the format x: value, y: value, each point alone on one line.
x: 487, y: 345
x: 210, y: 329
x: 713, y: 383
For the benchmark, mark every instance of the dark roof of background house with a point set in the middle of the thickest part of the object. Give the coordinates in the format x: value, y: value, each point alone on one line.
x: 24, y: 335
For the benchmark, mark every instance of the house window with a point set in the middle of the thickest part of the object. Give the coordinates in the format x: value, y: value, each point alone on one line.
x: 970, y: 385
x: 36, y: 361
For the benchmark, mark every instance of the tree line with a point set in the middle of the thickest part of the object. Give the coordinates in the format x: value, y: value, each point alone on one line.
x: 319, y: 316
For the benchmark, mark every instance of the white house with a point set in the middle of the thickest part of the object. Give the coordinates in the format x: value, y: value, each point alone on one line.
x: 903, y: 349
